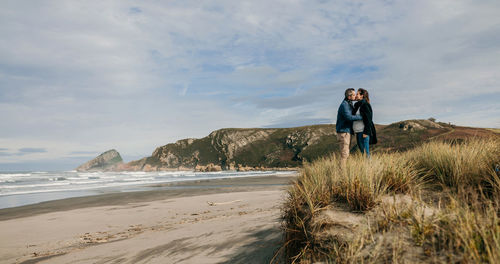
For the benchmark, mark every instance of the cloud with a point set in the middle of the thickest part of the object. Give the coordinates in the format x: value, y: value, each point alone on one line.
x: 135, y: 10
x: 21, y: 152
x: 32, y: 150
x: 296, y: 122
x: 83, y: 153
x: 134, y: 76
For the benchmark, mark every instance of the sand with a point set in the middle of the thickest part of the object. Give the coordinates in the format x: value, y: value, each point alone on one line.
x: 216, y: 221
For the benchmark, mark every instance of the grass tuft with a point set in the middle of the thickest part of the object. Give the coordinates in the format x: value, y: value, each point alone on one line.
x: 407, y: 217
x: 458, y: 165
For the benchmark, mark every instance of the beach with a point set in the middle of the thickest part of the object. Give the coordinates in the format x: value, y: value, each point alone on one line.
x: 234, y: 220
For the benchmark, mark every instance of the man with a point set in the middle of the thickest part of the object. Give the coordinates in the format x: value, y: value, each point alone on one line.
x: 344, y: 124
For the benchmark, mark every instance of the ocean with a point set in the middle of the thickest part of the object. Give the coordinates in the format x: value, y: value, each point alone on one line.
x: 23, y: 188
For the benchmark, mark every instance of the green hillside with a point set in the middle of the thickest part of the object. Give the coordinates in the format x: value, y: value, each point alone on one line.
x: 259, y: 148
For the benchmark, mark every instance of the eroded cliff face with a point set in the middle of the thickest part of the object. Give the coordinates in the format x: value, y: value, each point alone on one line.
x: 275, y: 148
x: 229, y: 141
x: 237, y: 149
x: 420, y: 124
x: 302, y: 139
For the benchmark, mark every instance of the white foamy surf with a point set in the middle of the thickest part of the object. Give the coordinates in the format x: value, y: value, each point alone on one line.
x: 23, y: 188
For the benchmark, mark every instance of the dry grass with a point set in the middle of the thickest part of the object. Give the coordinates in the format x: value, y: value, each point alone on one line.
x: 459, y: 224
x: 471, y: 163
x: 496, y: 130
x: 359, y: 185
x: 460, y: 233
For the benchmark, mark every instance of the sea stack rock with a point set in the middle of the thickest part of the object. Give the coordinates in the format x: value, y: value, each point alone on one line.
x: 104, y: 162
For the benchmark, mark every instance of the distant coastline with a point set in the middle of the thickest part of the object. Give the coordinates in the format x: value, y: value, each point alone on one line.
x: 272, y: 149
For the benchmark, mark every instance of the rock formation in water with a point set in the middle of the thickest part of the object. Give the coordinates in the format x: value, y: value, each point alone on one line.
x: 108, y: 160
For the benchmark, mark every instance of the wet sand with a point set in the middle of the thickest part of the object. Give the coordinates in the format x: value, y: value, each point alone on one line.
x: 210, y: 221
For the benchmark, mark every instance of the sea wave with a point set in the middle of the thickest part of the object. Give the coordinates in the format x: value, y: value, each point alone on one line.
x: 134, y: 172
x: 25, y: 183
x: 58, y: 179
x: 14, y: 175
x: 33, y: 185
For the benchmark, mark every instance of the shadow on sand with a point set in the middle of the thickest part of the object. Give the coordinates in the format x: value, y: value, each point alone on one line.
x: 265, y: 245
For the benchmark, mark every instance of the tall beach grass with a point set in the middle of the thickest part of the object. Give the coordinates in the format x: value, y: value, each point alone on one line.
x: 359, y: 185
x: 461, y: 166
x: 463, y: 226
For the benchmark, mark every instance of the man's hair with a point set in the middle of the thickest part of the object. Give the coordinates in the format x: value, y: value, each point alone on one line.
x: 348, y: 91
x: 365, y: 94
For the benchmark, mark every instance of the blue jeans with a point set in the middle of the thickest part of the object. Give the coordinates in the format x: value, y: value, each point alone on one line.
x: 363, y: 143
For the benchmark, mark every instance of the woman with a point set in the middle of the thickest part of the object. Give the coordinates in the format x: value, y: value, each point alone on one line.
x: 365, y: 129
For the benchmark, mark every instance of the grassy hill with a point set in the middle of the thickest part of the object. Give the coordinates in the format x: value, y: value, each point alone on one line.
x: 239, y: 148
x: 260, y: 148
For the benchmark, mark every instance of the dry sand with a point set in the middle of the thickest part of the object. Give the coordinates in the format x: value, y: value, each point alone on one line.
x: 216, y: 221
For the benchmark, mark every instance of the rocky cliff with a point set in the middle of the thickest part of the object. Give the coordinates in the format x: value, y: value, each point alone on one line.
x: 242, y: 149
x: 280, y: 148
x: 108, y: 160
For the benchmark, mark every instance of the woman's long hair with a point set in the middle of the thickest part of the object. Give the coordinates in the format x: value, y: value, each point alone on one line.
x: 365, y: 94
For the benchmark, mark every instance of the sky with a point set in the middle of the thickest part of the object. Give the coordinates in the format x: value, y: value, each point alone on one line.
x: 78, y: 78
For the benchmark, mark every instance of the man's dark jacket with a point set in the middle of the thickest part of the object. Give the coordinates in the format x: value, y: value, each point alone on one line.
x: 365, y: 110
x: 345, y: 117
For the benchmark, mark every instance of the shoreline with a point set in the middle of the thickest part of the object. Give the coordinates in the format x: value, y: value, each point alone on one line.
x: 157, y: 192
x: 232, y: 220
x: 35, y: 187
